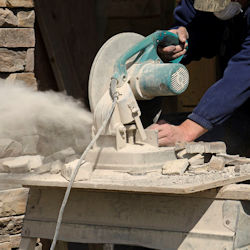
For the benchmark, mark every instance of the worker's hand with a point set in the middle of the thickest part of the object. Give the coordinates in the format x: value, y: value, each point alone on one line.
x: 172, y: 52
x: 169, y: 135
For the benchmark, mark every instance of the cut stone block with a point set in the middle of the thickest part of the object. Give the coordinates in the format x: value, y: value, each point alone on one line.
x: 84, y: 173
x: 215, y: 147
x: 217, y: 163
x: 5, y: 246
x: 10, y: 148
x: 26, y: 18
x: 56, y: 167
x: 180, y: 145
x: 29, y: 60
x: 13, y: 201
x: 7, y: 18
x: 17, y: 37
x: 4, y: 238
x: 196, y: 160
x: 15, y: 240
x: 175, y: 167
x: 183, y: 154
x: 11, y: 61
x: 18, y: 165
x: 28, y: 78
x: 17, y: 3
x: 45, y: 168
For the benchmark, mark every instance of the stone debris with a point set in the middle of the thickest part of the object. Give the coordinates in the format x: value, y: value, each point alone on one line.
x: 61, y: 155
x: 206, y: 147
x: 45, y: 168
x: 18, y: 165
x: 175, y: 167
x: 216, y: 163
x: 56, y: 167
x: 84, y: 173
x: 197, y: 159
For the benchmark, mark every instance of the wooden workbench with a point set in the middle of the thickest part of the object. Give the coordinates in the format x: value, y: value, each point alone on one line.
x: 139, y: 212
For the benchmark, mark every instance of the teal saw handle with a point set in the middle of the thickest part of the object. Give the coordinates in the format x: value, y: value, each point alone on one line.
x: 158, y: 38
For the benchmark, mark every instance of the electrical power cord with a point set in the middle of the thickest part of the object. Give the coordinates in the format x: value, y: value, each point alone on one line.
x: 114, y: 95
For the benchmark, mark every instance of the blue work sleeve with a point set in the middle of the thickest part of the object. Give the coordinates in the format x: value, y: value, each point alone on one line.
x: 227, y: 94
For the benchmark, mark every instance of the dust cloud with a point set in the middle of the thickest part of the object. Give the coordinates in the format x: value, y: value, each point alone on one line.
x: 57, y: 120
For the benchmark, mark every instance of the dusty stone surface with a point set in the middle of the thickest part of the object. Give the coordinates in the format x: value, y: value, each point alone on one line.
x: 7, y: 18
x: 61, y: 155
x: 11, y: 61
x: 18, y: 165
x: 175, y: 167
x: 11, y: 225
x: 17, y: 37
x: 195, y: 148
x: 13, y: 201
x: 4, y: 238
x: 28, y: 78
x: 10, y: 148
x: 29, y: 60
x: 217, y: 163
x: 84, y: 173
x: 56, y: 167
x: 26, y: 18
x: 183, y: 154
x: 17, y: 3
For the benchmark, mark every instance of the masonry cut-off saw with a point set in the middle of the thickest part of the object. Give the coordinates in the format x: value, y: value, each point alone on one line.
x: 130, y: 62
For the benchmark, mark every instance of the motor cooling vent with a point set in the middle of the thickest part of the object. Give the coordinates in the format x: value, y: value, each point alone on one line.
x: 179, y: 80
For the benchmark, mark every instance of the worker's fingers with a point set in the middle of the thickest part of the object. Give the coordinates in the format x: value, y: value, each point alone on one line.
x: 182, y: 34
x: 161, y: 122
x: 176, y: 55
x: 168, y: 49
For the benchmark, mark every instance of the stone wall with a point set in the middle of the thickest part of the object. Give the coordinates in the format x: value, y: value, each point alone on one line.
x: 17, y: 40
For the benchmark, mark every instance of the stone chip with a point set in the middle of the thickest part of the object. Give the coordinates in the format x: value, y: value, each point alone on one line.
x: 175, y: 167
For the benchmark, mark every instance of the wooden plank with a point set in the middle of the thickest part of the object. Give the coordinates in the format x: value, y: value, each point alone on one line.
x: 70, y: 35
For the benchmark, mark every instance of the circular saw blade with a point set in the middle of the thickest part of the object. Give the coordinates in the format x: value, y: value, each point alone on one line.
x: 103, y: 66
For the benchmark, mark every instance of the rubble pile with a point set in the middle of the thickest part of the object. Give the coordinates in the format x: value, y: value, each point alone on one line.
x: 204, y: 157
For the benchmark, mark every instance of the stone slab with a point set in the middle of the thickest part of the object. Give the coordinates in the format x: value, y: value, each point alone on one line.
x: 12, y: 61
x: 18, y: 165
x: 26, y: 19
x: 13, y: 201
x: 17, y: 3
x: 175, y: 167
x: 197, y: 159
x: 17, y: 37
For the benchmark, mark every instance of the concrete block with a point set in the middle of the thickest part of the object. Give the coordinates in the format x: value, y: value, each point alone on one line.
x: 17, y: 3
x: 7, y: 18
x: 197, y: 159
x: 45, y: 168
x: 28, y: 78
x: 26, y: 18
x: 11, y: 61
x: 216, y: 163
x: 18, y: 165
x: 17, y: 37
x: 13, y: 201
x: 56, y: 167
x: 215, y: 147
x: 15, y: 240
x: 175, y: 167
x: 29, y: 60
x: 84, y: 173
x: 195, y: 147
x: 10, y: 148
